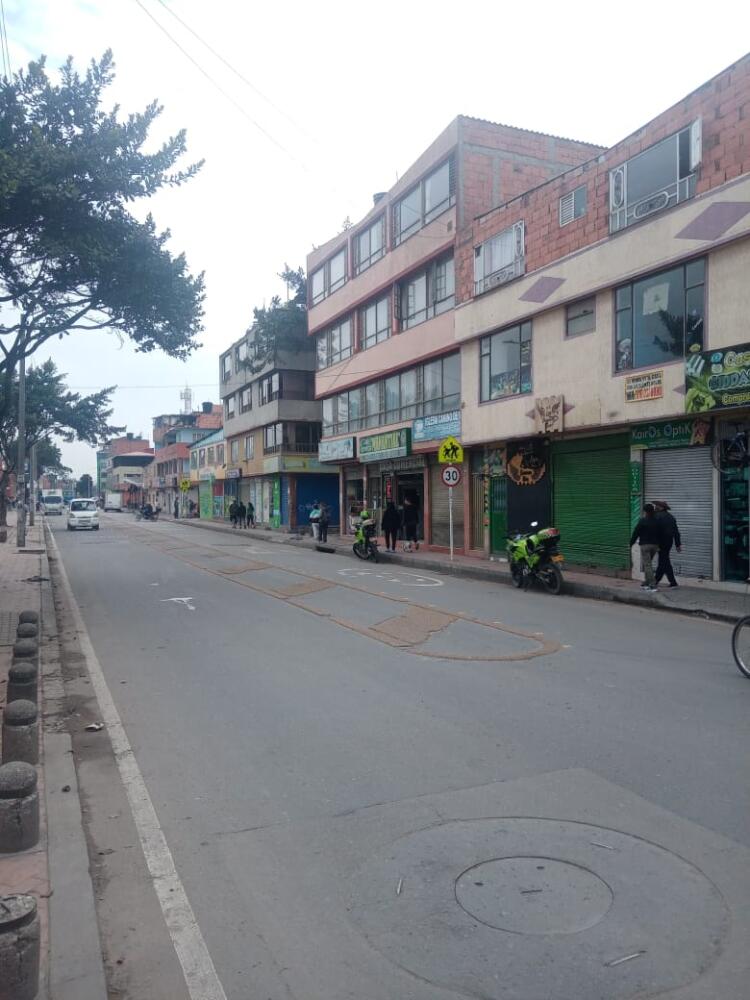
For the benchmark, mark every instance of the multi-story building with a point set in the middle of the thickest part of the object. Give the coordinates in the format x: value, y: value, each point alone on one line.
x: 207, y: 470
x: 174, y: 434
x: 116, y: 446
x: 382, y: 298
x: 126, y: 475
x: 602, y: 323
x: 272, y: 431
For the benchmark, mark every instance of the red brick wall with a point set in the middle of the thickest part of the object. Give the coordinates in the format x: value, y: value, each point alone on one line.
x: 722, y: 103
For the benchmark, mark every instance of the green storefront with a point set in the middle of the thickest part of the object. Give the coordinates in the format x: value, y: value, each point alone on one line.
x: 591, y: 500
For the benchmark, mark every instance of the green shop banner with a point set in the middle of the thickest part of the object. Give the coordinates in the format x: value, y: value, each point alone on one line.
x: 391, y: 444
x: 669, y: 434
x: 719, y: 378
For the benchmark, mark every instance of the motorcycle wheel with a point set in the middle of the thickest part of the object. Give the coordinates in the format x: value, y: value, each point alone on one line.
x: 516, y: 575
x: 551, y: 578
x: 373, y: 553
x: 358, y: 552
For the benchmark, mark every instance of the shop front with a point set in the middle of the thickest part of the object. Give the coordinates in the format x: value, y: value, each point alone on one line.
x: 431, y: 430
x: 528, y: 486
x: 677, y: 468
x: 231, y: 489
x: 591, y: 500
x: 206, y: 496
x: 393, y: 473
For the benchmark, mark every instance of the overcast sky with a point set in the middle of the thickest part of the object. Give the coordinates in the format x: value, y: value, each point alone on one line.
x: 342, y: 97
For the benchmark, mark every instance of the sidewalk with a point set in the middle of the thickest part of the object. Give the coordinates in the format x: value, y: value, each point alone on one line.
x: 704, y: 601
x: 56, y: 869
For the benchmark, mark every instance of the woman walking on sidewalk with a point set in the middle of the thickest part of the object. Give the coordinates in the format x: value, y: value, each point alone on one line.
x: 670, y: 535
x: 648, y: 535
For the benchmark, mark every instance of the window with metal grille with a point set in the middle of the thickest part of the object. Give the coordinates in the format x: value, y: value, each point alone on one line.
x: 500, y: 259
x: 573, y: 205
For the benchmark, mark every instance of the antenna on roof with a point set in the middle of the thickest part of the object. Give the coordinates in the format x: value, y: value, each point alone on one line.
x: 186, y: 396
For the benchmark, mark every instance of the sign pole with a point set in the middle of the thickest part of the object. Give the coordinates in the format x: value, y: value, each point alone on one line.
x: 450, y: 517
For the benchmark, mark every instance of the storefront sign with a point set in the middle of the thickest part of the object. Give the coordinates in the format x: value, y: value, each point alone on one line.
x: 647, y: 385
x: 390, y: 444
x: 437, y: 426
x: 718, y: 378
x: 234, y: 473
x: 338, y: 450
x: 548, y: 414
x: 293, y: 463
x: 204, y: 475
x: 670, y: 434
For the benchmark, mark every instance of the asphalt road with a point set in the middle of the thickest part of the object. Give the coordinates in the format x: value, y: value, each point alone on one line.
x: 377, y: 783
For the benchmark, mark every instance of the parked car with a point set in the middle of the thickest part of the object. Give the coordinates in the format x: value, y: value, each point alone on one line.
x: 83, y: 514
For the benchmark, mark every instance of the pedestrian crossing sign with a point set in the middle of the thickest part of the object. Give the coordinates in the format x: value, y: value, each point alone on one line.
x: 450, y: 452
x: 185, y: 485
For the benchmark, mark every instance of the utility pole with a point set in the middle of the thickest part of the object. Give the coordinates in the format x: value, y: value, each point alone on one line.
x: 21, y: 459
x: 32, y: 484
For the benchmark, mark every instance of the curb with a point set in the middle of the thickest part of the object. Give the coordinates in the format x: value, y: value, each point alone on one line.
x: 571, y: 588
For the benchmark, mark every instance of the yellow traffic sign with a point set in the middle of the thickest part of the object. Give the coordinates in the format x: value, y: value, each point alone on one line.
x: 450, y: 452
x: 185, y: 485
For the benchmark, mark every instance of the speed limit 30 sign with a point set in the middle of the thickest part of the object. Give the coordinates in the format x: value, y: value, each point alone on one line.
x: 451, y: 475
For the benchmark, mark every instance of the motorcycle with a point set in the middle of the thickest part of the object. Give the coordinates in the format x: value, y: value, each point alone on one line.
x: 365, y: 544
x: 535, y: 556
x: 148, y: 514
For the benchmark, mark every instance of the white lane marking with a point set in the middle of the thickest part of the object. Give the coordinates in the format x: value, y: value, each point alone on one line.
x: 179, y: 600
x: 403, y: 579
x: 198, y: 968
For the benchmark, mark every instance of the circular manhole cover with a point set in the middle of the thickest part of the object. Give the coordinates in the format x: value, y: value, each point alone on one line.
x: 533, y: 895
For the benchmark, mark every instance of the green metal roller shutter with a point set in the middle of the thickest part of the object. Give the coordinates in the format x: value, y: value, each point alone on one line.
x: 591, y: 500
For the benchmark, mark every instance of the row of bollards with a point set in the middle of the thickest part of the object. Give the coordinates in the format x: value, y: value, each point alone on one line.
x: 19, y: 811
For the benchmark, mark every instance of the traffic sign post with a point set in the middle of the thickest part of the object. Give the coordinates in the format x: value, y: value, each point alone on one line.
x: 450, y: 451
x: 451, y: 476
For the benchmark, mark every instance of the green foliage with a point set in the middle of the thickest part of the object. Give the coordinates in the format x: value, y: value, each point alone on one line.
x: 281, y: 326
x: 85, y: 486
x: 72, y: 256
x: 49, y: 459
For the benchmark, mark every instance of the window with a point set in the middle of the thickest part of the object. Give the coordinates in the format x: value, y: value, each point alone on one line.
x: 193, y: 459
x: 369, y: 245
x: 269, y: 388
x: 249, y: 447
x: 505, y: 359
x: 580, y: 317
x: 661, y: 176
x: 229, y: 407
x: 246, y: 399
x: 202, y: 457
x: 374, y: 323
x: 441, y: 385
x: 660, y: 318
x: 373, y: 405
x: 335, y: 344
x: 329, y: 277
x: 240, y: 355
x: 219, y: 454
x: 234, y: 450
x: 226, y: 367
x: 573, y: 205
x: 427, y: 294
x: 273, y: 438
x: 210, y: 457
x: 428, y: 199
x: 500, y: 259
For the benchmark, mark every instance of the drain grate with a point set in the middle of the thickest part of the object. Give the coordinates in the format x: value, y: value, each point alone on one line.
x: 8, y: 622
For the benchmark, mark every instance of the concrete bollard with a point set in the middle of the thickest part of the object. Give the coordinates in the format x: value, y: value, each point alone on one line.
x: 22, y: 682
x: 25, y: 649
x: 20, y: 732
x: 19, y: 808
x: 26, y: 630
x: 19, y: 948
x: 29, y: 616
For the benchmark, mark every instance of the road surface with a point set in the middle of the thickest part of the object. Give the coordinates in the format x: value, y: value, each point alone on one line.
x: 378, y: 783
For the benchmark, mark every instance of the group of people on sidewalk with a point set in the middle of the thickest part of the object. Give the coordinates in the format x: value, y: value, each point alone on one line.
x: 393, y: 521
x: 656, y: 533
x: 241, y: 516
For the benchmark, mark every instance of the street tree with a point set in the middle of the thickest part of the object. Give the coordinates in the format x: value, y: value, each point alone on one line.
x: 85, y: 486
x: 72, y: 256
x: 280, y: 326
x: 49, y: 460
x: 52, y: 411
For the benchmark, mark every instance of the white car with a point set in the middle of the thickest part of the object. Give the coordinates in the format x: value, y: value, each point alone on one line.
x: 83, y: 514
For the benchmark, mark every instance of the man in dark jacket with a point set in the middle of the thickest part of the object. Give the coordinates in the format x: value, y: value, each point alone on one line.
x: 391, y: 523
x: 648, y: 536
x: 411, y: 522
x: 670, y: 535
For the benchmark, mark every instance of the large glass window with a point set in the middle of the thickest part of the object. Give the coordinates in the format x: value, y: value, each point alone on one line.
x: 369, y: 245
x: 374, y: 323
x: 226, y: 367
x: 660, y: 318
x: 273, y: 438
x: 328, y: 277
x: 661, y: 176
x: 249, y: 447
x: 335, y: 344
x: 234, y: 450
x: 500, y: 258
x: 229, y: 407
x: 428, y: 199
x: 427, y: 293
x: 373, y: 405
x: 246, y: 399
x: 505, y: 359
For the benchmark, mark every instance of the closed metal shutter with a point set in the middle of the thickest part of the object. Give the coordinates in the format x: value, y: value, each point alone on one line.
x: 684, y: 478
x: 440, y: 531
x: 591, y: 500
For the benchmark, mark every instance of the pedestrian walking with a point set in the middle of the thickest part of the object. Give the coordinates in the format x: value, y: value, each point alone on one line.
x: 391, y: 524
x: 176, y: 508
x: 233, y: 512
x: 250, y: 514
x: 315, y: 519
x: 647, y: 534
x: 242, y: 515
x: 411, y: 523
x: 670, y: 535
x: 323, y: 522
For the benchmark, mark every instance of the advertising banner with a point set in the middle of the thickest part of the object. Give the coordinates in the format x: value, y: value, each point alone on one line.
x: 719, y: 378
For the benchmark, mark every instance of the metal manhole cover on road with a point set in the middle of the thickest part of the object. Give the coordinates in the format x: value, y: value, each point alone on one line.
x: 533, y: 895
x: 519, y: 908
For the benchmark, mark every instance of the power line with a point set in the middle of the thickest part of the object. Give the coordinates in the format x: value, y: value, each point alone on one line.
x: 218, y: 87
x: 4, y: 42
x: 234, y: 69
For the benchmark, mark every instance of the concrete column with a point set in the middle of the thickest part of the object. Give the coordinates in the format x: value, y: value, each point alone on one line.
x: 20, y: 732
x: 19, y: 808
x: 19, y: 948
